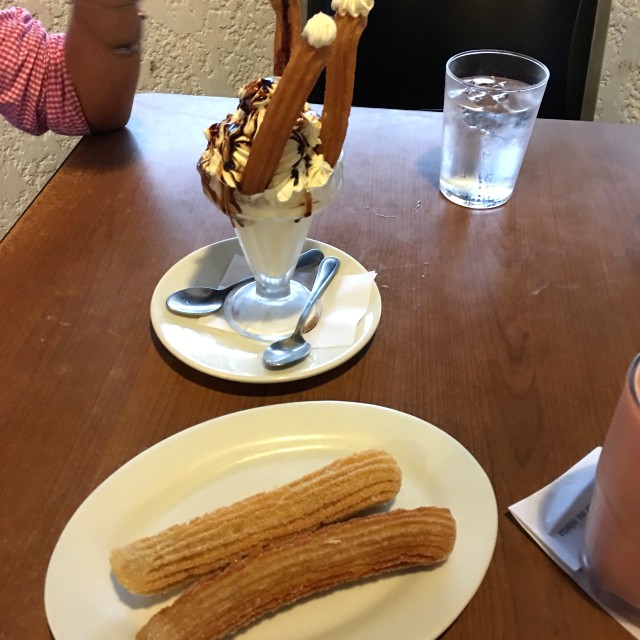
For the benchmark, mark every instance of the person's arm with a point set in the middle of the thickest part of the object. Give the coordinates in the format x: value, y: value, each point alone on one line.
x: 102, y: 52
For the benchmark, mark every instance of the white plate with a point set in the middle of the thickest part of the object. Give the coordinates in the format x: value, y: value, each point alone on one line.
x: 229, y: 458
x: 235, y: 357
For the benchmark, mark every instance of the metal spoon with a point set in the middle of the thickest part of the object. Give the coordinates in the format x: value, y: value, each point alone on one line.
x: 201, y: 301
x: 288, y: 351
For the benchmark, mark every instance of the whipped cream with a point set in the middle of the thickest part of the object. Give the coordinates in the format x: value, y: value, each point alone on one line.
x: 320, y: 30
x: 354, y: 8
x: 229, y: 144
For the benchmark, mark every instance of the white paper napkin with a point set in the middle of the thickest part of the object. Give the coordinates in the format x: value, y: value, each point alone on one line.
x: 344, y: 304
x: 555, y: 517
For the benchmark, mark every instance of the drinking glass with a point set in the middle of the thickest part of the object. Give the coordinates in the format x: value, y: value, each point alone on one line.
x: 612, y: 534
x: 272, y: 235
x: 491, y: 101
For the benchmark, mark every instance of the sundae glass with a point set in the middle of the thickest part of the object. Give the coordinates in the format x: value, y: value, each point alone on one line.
x: 272, y: 234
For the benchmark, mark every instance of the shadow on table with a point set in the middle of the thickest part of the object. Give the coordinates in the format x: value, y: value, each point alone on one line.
x: 252, y: 389
x: 104, y: 152
x: 429, y: 166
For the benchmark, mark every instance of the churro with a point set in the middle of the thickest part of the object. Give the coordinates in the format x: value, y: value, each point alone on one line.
x: 213, y: 541
x: 308, y: 59
x: 351, y: 20
x: 337, y: 554
x: 287, y: 33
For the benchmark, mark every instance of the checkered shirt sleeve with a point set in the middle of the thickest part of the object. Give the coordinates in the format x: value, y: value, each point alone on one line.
x: 36, y: 92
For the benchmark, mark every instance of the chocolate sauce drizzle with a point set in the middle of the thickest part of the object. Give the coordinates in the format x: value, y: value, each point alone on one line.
x: 230, y: 135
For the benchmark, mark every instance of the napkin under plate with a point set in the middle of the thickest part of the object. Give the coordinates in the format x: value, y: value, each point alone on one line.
x: 344, y: 304
x: 555, y: 518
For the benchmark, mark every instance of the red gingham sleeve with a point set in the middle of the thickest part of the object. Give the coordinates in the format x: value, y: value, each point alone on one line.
x: 36, y: 93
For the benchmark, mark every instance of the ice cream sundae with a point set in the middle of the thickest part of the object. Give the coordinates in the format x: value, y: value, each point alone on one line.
x: 268, y: 145
x: 274, y: 162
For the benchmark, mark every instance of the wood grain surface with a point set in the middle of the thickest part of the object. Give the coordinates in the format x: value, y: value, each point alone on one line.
x: 511, y: 330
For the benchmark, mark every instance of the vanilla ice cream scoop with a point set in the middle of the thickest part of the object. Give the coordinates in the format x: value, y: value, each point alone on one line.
x: 229, y: 143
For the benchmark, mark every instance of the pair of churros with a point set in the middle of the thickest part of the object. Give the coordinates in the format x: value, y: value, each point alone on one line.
x: 226, y: 602
x: 309, y: 57
x: 213, y: 541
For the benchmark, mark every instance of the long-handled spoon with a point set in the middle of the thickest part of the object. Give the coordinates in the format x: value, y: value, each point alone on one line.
x: 288, y: 351
x: 201, y: 301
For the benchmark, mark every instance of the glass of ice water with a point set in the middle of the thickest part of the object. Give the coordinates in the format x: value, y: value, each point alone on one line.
x: 491, y: 101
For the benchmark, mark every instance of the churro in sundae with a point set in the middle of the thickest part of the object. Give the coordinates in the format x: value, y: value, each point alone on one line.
x: 287, y: 33
x: 351, y: 20
x: 308, y: 59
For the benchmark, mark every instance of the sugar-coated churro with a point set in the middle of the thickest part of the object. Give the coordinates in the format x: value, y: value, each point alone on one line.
x: 351, y: 20
x: 287, y: 33
x: 308, y: 59
x: 226, y: 602
x: 213, y: 541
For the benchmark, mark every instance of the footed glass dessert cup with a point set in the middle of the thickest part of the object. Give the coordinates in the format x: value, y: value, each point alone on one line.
x: 272, y: 236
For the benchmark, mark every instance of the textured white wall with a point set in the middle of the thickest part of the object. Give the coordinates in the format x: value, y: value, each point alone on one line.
x: 28, y: 162
x: 209, y: 48
x: 619, y: 94
x: 206, y: 47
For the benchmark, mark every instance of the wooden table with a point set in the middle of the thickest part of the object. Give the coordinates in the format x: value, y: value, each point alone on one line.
x: 511, y: 330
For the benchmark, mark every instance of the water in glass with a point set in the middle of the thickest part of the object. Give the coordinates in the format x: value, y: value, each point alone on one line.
x: 487, y: 127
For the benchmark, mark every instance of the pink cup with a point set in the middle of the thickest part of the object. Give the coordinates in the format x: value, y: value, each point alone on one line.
x: 612, y: 536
